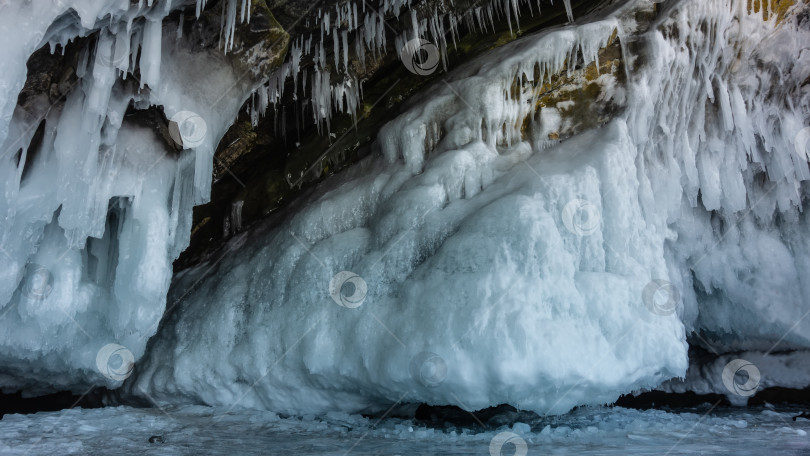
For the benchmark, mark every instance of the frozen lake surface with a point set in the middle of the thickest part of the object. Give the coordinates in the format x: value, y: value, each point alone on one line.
x: 205, y: 430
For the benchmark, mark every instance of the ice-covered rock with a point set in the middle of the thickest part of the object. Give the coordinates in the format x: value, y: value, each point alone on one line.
x: 475, y: 265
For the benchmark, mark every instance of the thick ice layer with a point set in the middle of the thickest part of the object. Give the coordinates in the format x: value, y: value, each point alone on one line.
x: 475, y: 266
x: 94, y: 213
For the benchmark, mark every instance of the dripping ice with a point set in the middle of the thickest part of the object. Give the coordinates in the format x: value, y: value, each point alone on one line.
x: 103, y: 206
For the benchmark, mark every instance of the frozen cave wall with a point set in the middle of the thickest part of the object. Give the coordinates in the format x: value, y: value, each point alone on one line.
x: 101, y: 167
x: 475, y: 259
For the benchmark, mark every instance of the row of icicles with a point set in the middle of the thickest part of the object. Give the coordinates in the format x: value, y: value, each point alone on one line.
x: 360, y: 29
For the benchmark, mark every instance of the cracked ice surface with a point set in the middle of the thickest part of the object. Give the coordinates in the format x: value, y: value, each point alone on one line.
x: 196, y: 430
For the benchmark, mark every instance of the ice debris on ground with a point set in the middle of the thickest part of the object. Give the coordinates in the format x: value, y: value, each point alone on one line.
x: 196, y: 430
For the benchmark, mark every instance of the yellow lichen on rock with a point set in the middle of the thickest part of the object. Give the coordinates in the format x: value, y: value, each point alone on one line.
x: 769, y: 8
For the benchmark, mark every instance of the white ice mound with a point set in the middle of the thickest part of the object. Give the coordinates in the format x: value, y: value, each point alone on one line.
x: 93, y: 213
x: 481, y: 273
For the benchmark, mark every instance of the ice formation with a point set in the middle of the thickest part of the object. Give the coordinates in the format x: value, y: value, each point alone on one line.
x: 485, y: 267
x: 326, y: 98
x: 94, y: 212
x: 473, y: 261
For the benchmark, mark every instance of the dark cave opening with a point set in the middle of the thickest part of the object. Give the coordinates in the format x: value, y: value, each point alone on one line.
x: 443, y: 416
x: 11, y: 403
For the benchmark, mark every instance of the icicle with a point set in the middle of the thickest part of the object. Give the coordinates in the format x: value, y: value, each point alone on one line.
x: 263, y: 100
x: 180, y: 27
x: 380, y: 35
x: 229, y: 24
x: 454, y: 30
x: 321, y: 55
x: 568, y: 10
x: 336, y: 42
x: 150, y: 56
x: 295, y: 60
x: 359, y: 51
x: 415, y: 26
x: 369, y: 32
x: 508, y: 16
x: 345, y: 36
x: 254, y: 113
